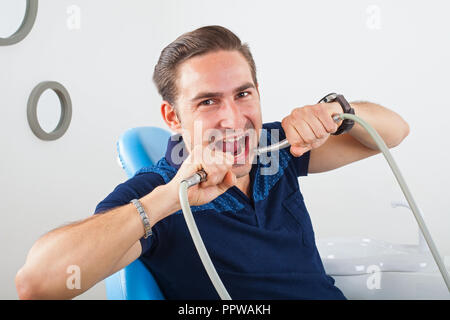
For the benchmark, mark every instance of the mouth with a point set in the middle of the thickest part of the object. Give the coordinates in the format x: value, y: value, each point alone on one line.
x: 238, y: 146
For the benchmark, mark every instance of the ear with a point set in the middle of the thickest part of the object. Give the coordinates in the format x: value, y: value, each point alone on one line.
x: 170, y: 116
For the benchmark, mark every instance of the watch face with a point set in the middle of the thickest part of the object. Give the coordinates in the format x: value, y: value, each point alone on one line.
x: 328, y: 98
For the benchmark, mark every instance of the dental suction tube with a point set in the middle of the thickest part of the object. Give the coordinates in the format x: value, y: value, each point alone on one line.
x: 201, y: 176
x: 401, y: 181
x: 198, y: 242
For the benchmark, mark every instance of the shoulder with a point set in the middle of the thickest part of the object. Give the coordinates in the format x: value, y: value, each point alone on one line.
x: 273, y: 131
x: 272, y: 125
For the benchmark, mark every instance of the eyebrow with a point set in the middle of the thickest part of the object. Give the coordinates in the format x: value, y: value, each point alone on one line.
x: 204, y: 95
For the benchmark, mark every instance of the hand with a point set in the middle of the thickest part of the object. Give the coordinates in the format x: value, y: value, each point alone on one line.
x: 216, y: 164
x: 309, y: 127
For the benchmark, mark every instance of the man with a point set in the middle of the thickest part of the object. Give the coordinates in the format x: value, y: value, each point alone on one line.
x: 254, y: 225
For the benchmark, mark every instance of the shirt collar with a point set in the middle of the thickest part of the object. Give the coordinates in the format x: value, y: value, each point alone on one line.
x: 176, y: 151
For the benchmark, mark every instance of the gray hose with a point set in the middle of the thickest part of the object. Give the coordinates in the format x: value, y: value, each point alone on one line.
x: 200, y: 246
x: 198, y: 242
x: 412, y: 204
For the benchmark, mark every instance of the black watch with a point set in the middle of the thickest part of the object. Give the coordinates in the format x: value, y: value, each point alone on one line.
x: 347, y: 124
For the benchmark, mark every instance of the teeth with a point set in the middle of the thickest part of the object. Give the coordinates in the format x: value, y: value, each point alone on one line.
x: 234, y: 139
x: 235, y: 145
x: 238, y: 142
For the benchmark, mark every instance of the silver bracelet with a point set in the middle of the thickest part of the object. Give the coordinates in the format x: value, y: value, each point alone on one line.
x: 144, y: 217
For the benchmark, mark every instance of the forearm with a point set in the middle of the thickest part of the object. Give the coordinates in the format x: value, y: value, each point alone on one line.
x: 94, y: 245
x: 389, y: 125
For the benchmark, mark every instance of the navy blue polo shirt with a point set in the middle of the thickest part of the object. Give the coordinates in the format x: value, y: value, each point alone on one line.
x: 262, y: 247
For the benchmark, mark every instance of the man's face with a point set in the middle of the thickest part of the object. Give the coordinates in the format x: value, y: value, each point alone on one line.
x: 219, y: 106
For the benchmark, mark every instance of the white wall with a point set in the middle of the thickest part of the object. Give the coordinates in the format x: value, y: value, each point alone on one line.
x: 303, y: 50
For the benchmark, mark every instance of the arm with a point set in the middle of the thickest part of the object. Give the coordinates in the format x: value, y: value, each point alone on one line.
x: 310, y: 128
x: 357, y: 144
x: 105, y: 243
x: 99, y: 245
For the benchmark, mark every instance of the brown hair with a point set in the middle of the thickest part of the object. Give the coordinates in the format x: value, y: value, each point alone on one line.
x: 200, y: 41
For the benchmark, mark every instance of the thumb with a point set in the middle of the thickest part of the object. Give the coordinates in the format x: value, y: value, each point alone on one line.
x: 299, y: 151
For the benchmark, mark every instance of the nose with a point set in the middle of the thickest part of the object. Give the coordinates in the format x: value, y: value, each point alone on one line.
x: 231, y: 116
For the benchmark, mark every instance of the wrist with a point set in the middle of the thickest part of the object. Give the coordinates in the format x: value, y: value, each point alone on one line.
x: 169, y: 192
x: 160, y: 203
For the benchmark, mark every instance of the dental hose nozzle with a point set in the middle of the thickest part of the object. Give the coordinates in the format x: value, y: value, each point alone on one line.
x: 196, y: 178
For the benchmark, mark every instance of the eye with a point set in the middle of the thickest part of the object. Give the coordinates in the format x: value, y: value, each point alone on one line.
x: 207, y: 102
x: 243, y: 94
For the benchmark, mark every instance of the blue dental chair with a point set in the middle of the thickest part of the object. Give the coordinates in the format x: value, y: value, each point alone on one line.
x: 138, y: 147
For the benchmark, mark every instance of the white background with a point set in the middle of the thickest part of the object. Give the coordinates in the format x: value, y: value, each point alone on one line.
x: 396, y: 55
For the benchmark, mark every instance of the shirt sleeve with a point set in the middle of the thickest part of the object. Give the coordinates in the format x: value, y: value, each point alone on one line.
x: 301, y: 163
x: 134, y: 188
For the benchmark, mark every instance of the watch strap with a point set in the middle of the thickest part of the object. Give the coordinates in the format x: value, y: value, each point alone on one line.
x: 346, y: 124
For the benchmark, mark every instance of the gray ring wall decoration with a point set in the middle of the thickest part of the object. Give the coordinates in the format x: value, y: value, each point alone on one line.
x: 25, y: 27
x: 66, y: 110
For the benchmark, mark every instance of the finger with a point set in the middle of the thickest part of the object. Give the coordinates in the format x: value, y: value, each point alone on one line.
x: 213, y: 176
x: 319, y: 142
x: 228, y: 181
x: 299, y: 151
x: 327, y: 120
x: 305, y: 131
x: 216, y: 167
x: 292, y: 135
x: 196, y: 156
x: 223, y: 159
x: 214, y: 157
x: 320, y: 133
x: 317, y: 127
x: 208, y: 156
